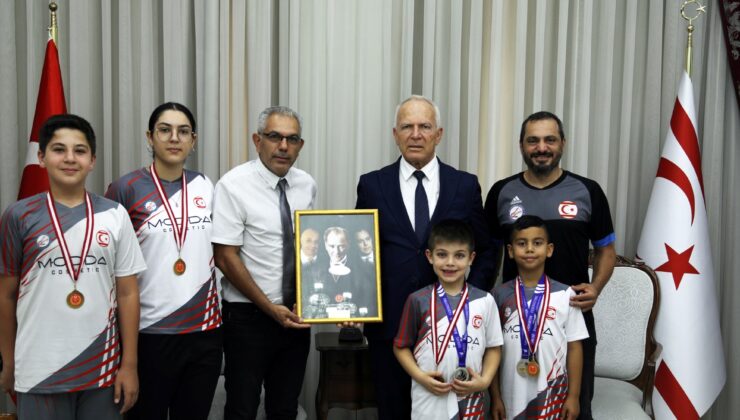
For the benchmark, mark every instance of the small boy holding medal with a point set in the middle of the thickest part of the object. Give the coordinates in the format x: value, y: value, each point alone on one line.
x: 69, y: 296
x: 449, y: 339
x: 542, y: 357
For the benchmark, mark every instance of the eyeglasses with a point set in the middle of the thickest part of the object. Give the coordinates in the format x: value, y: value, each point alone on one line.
x: 164, y: 133
x: 275, y: 137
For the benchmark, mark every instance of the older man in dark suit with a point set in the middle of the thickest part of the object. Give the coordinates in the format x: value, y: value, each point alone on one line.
x: 411, y: 195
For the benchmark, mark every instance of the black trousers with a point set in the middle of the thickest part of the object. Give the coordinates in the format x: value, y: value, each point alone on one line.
x: 392, y: 383
x: 260, y: 351
x: 178, y: 374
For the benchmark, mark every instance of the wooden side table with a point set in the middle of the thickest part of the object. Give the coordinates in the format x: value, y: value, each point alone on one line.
x: 345, y: 379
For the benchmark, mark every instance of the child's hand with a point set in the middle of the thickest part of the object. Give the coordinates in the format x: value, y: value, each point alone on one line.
x: 498, y: 410
x: 126, y: 387
x: 434, y: 383
x: 475, y: 384
x: 7, y: 379
x: 571, y: 408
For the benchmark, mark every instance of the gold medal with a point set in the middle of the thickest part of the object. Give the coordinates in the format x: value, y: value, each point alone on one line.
x: 521, y: 367
x: 179, y: 267
x: 533, y: 368
x: 75, y: 299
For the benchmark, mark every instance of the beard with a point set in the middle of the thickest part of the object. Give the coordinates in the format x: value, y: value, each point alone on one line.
x: 541, y: 169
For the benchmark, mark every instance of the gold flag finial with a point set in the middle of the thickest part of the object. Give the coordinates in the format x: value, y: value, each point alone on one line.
x: 53, y: 21
x: 698, y: 10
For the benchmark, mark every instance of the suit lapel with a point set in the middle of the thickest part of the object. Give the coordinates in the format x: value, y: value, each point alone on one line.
x: 449, y: 178
x: 391, y: 189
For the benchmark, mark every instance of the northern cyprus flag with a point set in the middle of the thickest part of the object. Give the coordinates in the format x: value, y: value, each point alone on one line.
x: 675, y: 243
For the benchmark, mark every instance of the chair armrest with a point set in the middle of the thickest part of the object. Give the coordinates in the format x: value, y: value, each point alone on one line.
x: 647, y: 391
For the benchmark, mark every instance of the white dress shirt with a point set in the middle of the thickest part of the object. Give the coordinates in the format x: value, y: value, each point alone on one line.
x: 246, y: 213
x: 408, y: 186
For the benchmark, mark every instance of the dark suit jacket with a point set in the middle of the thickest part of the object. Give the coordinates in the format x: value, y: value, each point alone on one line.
x: 404, y: 267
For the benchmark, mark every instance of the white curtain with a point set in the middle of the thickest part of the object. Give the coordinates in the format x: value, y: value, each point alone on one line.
x: 609, y: 69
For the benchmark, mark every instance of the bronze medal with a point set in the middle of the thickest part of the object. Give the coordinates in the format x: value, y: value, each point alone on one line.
x: 521, y: 367
x: 179, y: 267
x: 75, y: 299
x: 533, y: 368
x: 180, y: 231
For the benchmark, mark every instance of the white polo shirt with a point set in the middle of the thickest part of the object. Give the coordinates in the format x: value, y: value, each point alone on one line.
x: 246, y: 213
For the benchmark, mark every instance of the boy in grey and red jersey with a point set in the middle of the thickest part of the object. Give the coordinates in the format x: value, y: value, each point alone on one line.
x: 540, y: 374
x: 71, y: 258
x: 449, y: 338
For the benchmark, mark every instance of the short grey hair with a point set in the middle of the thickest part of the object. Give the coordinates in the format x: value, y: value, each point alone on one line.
x: 437, y: 119
x: 279, y: 110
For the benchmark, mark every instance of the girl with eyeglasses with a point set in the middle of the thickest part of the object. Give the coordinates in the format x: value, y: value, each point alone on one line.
x: 180, y: 343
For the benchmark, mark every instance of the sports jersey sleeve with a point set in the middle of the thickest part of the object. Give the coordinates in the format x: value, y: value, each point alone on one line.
x: 600, y: 229
x: 12, y: 249
x: 406, y: 336
x: 129, y: 259
x: 494, y: 334
x: 228, y: 216
x: 497, y: 299
x: 575, y: 326
x: 117, y: 192
x: 491, y: 213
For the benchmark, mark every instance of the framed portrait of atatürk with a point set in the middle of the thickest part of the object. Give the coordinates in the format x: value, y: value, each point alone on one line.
x: 338, y: 266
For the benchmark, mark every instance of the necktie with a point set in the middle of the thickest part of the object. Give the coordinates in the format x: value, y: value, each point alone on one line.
x: 421, y: 207
x: 288, y: 248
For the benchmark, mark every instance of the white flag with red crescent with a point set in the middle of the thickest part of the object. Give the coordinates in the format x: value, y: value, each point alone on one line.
x: 675, y: 243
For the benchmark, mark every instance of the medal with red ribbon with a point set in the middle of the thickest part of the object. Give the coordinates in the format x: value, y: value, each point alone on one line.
x: 532, y: 318
x: 180, y: 231
x: 75, y: 299
x: 461, y: 343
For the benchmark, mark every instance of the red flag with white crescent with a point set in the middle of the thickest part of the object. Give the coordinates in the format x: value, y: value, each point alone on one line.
x: 49, y: 102
x: 675, y: 243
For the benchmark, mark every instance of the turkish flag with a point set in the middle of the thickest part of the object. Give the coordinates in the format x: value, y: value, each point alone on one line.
x: 49, y: 102
x: 675, y: 243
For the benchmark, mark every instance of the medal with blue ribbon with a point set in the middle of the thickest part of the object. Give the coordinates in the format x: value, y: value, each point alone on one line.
x: 461, y: 343
x: 532, y: 318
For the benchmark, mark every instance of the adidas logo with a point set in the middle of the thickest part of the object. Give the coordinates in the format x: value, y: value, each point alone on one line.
x: 516, y: 200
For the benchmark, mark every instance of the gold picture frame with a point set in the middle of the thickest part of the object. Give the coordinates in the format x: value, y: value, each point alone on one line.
x: 338, y: 266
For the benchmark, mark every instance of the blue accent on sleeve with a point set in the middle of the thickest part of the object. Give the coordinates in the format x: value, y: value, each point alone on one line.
x: 605, y: 241
x: 497, y: 242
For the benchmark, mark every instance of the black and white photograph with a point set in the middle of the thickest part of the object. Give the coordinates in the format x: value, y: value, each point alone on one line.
x: 338, y: 278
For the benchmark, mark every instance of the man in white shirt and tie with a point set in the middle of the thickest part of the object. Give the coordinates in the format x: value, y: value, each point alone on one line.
x: 265, y: 342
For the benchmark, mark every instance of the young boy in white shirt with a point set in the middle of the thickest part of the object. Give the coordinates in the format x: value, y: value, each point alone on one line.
x: 69, y: 297
x: 540, y: 375
x: 450, y: 368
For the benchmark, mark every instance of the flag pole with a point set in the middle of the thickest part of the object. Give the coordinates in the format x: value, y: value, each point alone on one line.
x: 53, y: 21
x: 690, y: 29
